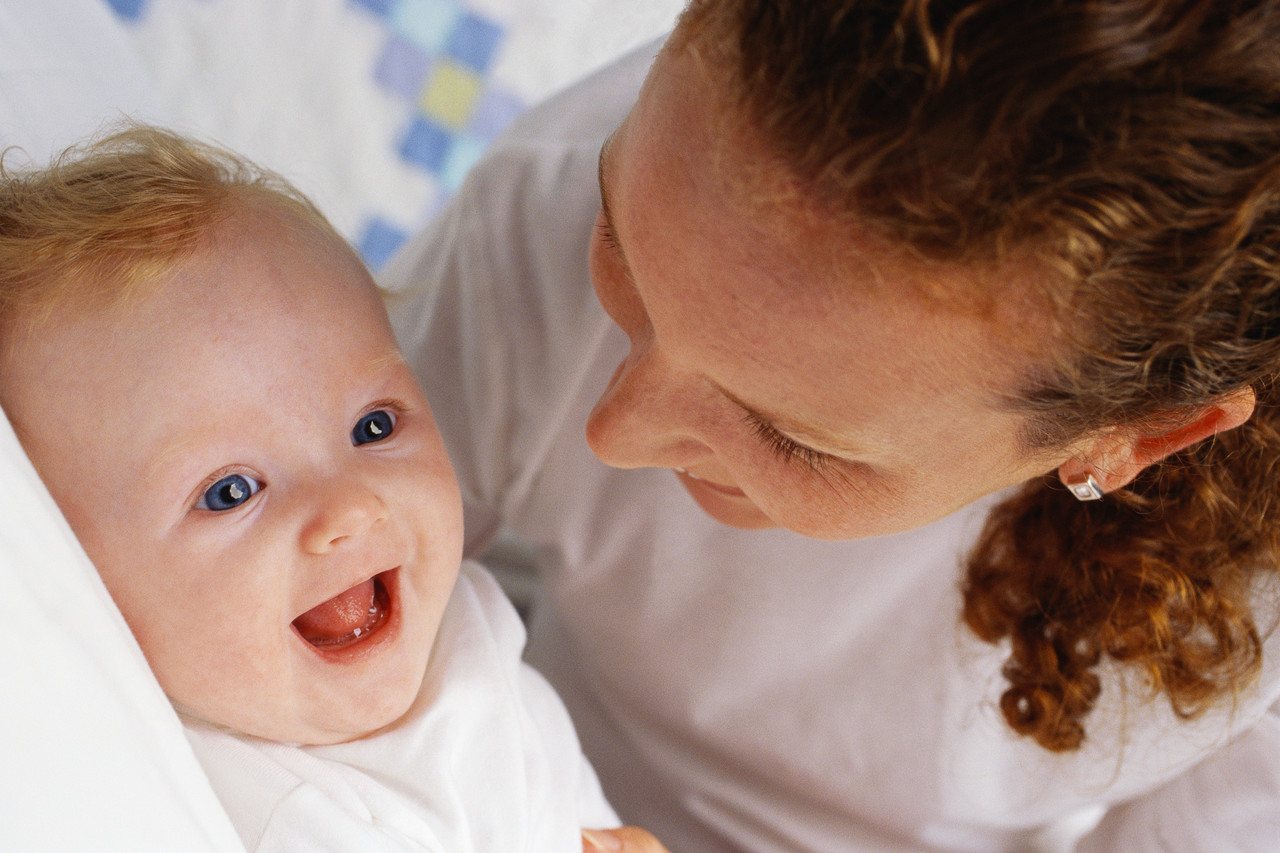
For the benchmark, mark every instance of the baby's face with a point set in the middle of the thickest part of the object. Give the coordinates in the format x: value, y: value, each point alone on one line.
x: 256, y: 475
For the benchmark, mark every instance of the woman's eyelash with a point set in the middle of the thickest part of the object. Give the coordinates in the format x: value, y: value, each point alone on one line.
x: 786, y: 449
x: 610, y: 240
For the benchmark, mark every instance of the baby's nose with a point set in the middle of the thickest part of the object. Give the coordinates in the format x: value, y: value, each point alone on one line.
x: 342, y: 513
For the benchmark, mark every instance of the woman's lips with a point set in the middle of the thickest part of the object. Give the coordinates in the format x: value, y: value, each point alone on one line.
x: 731, y: 491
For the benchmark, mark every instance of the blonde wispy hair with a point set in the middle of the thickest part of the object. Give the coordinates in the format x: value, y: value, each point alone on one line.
x: 111, y: 215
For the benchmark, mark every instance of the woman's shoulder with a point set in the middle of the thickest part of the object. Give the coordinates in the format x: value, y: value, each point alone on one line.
x: 586, y: 110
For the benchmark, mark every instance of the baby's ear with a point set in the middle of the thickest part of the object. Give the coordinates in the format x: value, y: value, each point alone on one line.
x: 1117, y: 457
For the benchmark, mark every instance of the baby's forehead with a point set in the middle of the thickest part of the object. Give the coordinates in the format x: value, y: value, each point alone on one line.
x: 116, y: 282
x: 253, y: 281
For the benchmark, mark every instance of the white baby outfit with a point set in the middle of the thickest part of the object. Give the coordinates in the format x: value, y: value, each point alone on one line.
x: 486, y: 761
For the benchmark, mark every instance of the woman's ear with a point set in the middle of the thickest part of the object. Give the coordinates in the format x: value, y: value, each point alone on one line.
x: 1114, y: 459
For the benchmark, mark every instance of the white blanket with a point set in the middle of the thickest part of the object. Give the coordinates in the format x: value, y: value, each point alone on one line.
x: 93, y: 756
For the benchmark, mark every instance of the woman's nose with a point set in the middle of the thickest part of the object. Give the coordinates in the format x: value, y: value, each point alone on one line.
x: 343, y: 510
x: 648, y: 416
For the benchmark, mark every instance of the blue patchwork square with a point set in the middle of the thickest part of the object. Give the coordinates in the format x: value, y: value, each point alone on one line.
x: 474, y: 42
x: 426, y: 145
x: 402, y: 67
x: 492, y: 114
x: 426, y: 23
x: 464, y: 153
x: 128, y: 10
x: 381, y: 8
x: 380, y: 241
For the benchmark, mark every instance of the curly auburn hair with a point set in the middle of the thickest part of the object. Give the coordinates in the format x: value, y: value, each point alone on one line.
x: 1135, y: 146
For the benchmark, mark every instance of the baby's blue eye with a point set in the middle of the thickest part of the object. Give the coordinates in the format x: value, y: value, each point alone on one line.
x: 228, y: 493
x: 374, y: 426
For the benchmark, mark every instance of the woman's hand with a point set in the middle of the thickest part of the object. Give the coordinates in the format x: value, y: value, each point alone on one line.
x: 626, y: 839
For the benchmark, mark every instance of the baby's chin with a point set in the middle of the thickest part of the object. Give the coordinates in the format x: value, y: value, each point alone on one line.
x: 298, y: 732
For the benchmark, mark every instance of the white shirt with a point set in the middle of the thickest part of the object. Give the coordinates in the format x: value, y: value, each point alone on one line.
x: 485, y: 761
x: 755, y: 690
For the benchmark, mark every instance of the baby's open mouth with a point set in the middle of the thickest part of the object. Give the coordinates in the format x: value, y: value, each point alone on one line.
x: 348, y: 618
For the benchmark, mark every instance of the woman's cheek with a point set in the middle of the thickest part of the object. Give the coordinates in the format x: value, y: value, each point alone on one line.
x: 835, y: 502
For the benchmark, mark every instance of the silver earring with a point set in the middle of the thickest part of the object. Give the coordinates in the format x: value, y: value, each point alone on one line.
x: 1085, y: 488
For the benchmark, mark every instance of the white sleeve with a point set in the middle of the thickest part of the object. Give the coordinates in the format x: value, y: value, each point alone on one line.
x: 569, y: 768
x: 1229, y: 803
x: 545, y: 707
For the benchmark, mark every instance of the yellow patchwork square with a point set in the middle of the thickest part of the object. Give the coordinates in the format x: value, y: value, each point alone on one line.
x: 450, y: 95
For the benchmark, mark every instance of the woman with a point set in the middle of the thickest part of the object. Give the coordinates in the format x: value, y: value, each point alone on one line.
x: 882, y: 289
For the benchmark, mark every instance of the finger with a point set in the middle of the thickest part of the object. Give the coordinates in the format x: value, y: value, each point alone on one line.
x: 626, y: 839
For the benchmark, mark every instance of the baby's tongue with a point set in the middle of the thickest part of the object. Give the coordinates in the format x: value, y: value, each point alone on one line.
x: 338, y: 616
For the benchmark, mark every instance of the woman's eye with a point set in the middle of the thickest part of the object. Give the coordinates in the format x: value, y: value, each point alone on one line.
x: 789, y: 451
x: 374, y: 426
x: 607, y: 237
x: 228, y: 493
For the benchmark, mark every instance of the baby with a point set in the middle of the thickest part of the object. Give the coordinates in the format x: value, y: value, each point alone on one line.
x: 203, y: 374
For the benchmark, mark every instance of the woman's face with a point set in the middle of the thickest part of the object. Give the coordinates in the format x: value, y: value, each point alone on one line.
x: 790, y: 372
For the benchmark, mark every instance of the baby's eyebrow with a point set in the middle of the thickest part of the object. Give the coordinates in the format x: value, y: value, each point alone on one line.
x: 168, y: 456
x: 391, y: 357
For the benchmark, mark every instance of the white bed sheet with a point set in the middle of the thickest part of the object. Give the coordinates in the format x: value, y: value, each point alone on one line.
x: 375, y: 108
